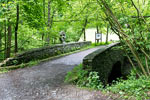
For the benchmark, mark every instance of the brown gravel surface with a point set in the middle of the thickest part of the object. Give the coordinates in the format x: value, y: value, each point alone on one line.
x: 46, y: 81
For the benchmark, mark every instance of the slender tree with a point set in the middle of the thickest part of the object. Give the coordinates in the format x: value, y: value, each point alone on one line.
x: 0, y: 40
x: 83, y: 28
x: 1, y: 36
x: 9, y: 40
x: 44, y: 15
x: 5, y: 38
x: 49, y: 19
x: 16, y: 29
x: 107, y: 34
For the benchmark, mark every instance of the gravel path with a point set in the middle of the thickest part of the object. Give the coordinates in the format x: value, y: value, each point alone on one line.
x: 46, y: 81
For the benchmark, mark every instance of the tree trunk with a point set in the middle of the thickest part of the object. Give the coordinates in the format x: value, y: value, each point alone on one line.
x: 9, y: 41
x: 44, y: 9
x: 49, y: 11
x: 107, y: 34
x: 49, y: 20
x: 83, y: 29
x: 84, y: 35
x: 51, y: 15
x: 43, y: 34
x: 1, y: 29
x: 1, y: 35
x: 0, y: 40
x: 97, y: 28
x: 16, y: 30
x: 5, y: 36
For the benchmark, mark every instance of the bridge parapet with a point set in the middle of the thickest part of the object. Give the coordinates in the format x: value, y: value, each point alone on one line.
x: 45, y: 52
x: 110, y: 63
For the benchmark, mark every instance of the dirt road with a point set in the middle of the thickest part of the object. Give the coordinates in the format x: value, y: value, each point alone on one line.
x: 46, y: 81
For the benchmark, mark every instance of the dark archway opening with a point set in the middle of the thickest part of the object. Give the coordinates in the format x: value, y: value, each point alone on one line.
x: 115, y: 73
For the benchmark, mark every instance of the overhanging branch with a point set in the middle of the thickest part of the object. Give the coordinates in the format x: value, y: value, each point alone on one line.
x: 143, y: 16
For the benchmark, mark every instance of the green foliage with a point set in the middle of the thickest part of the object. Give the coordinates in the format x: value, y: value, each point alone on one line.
x: 32, y: 15
x: 33, y: 31
x: 29, y: 38
x: 3, y: 70
x: 77, y: 76
x: 15, y: 62
x: 1, y: 56
x: 132, y: 88
x: 69, y: 16
x: 84, y: 78
x: 132, y: 26
x: 31, y: 63
x: 101, y: 43
x: 94, y: 82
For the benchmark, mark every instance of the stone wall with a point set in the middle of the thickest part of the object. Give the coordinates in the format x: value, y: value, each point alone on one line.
x: 45, y: 52
x: 104, y: 60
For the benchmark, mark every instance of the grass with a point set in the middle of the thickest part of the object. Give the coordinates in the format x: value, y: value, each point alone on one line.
x: 101, y: 43
x: 23, y: 65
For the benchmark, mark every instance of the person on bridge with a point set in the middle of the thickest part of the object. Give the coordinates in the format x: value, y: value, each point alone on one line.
x: 62, y: 37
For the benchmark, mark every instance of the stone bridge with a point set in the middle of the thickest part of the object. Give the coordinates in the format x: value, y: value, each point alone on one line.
x: 45, y: 81
x: 110, y: 62
x: 44, y: 52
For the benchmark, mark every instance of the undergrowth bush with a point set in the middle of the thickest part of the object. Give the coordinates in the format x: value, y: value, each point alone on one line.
x: 131, y: 89
x: 77, y: 76
x: 93, y: 81
x: 84, y: 78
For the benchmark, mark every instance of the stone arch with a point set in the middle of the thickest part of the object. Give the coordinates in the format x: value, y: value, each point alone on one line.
x: 115, y: 72
x: 105, y: 62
